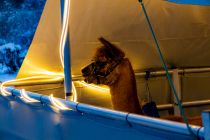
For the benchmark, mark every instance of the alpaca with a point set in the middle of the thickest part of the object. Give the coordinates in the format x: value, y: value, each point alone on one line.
x: 115, y: 71
x: 111, y: 68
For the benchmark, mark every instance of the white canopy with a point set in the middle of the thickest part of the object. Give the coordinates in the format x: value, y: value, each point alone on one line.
x: 183, y: 32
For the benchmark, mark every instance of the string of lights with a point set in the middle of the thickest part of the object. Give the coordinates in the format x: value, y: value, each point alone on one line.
x: 47, y: 75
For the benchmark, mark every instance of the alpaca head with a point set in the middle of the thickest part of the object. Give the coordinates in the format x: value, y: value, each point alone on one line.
x: 106, y: 58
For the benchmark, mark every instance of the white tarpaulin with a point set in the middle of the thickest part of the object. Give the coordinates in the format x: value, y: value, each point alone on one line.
x: 183, y: 32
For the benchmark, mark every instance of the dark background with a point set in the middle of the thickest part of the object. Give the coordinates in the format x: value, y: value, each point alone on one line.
x: 18, y: 22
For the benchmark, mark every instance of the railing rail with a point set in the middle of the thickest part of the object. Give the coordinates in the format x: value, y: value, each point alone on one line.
x: 184, y: 104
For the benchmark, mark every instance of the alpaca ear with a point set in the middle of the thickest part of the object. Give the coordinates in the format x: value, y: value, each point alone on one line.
x: 105, y: 42
x: 115, y: 51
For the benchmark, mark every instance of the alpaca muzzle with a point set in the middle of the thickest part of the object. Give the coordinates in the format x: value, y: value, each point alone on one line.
x: 94, y: 68
x: 96, y: 72
x: 93, y: 72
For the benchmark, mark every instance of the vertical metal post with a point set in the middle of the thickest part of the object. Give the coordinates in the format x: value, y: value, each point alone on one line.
x: 177, y: 85
x: 67, y: 60
x: 206, y: 124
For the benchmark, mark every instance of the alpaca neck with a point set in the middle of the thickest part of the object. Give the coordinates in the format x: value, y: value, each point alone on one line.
x: 125, y: 99
x: 124, y: 91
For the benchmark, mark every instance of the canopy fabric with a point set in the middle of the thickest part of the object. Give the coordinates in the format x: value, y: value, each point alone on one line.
x: 194, y: 2
x: 183, y: 32
x: 43, y: 54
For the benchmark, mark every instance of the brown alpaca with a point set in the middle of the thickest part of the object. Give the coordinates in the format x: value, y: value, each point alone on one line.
x: 120, y: 79
x: 111, y: 68
x: 123, y: 92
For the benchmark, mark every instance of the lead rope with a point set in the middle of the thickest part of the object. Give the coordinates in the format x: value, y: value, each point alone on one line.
x: 167, y: 72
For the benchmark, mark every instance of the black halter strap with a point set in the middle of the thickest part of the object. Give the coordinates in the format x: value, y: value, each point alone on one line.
x: 114, y: 64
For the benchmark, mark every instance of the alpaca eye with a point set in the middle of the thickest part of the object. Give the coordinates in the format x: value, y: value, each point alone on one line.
x: 101, y: 64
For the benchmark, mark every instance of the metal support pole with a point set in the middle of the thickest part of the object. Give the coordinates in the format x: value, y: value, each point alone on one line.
x: 67, y: 60
x: 177, y: 85
x: 206, y: 124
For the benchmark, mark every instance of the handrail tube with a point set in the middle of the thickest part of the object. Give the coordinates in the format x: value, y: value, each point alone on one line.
x: 185, y: 104
x: 196, y: 103
x: 164, y: 106
x: 161, y: 124
x: 101, y: 112
x: 180, y: 71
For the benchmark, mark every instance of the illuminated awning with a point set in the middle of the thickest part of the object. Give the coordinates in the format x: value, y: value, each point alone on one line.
x: 183, y: 32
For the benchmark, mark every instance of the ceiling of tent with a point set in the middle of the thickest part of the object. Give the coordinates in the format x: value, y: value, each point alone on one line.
x: 182, y: 30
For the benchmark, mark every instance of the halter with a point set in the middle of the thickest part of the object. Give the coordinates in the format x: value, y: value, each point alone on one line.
x: 103, y: 75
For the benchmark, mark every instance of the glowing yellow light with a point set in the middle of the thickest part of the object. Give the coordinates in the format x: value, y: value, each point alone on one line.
x: 4, y: 92
x: 26, y: 98
x: 94, y: 86
x: 74, y: 92
x: 35, y: 70
x: 64, y: 29
x: 44, y: 74
x: 57, y: 103
x: 63, y: 40
x: 49, y: 73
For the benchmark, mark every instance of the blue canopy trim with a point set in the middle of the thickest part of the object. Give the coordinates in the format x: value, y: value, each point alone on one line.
x: 193, y: 2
